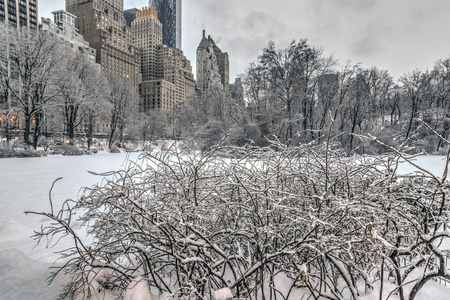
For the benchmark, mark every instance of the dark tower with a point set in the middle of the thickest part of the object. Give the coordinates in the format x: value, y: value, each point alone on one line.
x: 169, y: 14
x: 130, y: 15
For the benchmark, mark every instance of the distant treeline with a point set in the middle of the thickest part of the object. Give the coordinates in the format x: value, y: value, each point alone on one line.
x: 295, y: 95
x: 298, y: 95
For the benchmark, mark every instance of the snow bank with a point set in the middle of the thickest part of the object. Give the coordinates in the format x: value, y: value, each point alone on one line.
x: 24, y: 278
x: 223, y: 294
x: 138, y: 289
x: 24, y: 186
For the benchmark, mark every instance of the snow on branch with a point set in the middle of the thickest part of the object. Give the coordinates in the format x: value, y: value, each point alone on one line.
x: 288, y: 221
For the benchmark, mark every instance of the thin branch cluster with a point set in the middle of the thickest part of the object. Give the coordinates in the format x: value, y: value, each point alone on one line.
x: 267, y: 223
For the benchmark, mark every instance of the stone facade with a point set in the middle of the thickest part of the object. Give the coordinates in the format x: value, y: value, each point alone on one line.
x: 103, y: 25
x: 147, y: 35
x: 223, y: 63
x: 64, y: 29
x: 209, y: 77
x: 157, y: 95
x: 174, y: 67
x: 19, y: 13
x: 164, y: 69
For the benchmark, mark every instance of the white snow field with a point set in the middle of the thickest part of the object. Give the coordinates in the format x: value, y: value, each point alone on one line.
x: 24, y: 186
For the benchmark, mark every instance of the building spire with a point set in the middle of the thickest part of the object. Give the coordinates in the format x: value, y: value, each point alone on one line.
x: 146, y: 13
x: 204, y: 43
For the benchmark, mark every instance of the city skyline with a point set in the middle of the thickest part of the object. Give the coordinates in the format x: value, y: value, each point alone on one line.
x: 398, y: 36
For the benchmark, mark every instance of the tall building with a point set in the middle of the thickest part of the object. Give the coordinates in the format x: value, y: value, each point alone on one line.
x: 19, y: 13
x: 212, y: 66
x: 223, y: 63
x: 157, y: 95
x: 103, y: 25
x: 237, y: 91
x: 130, y: 15
x: 167, y: 78
x: 169, y: 13
x: 174, y: 67
x: 147, y: 35
x: 63, y: 27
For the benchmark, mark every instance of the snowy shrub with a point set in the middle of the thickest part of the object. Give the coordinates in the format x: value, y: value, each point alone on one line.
x: 264, y: 223
x: 27, y: 153
x: 5, y: 151
x: 17, y: 148
x: 67, y: 149
x: 114, y: 149
x: 44, y: 142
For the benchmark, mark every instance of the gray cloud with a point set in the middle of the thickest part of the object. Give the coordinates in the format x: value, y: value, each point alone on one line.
x: 399, y: 35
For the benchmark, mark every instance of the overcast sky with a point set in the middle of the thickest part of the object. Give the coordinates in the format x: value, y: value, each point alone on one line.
x: 397, y: 35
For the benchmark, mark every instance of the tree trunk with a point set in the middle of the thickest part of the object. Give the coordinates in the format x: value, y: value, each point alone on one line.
x: 89, y: 134
x: 37, y: 130
x: 26, y: 133
x: 411, y: 119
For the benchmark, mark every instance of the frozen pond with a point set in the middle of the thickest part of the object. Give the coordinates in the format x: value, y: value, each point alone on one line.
x: 25, y: 184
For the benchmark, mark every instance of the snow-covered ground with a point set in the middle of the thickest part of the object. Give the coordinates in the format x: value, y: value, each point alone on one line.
x: 24, y: 186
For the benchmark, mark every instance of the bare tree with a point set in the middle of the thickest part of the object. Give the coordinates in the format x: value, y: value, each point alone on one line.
x: 148, y: 126
x: 289, y: 77
x: 95, y: 108
x: 81, y: 81
x: 34, y: 61
x: 416, y: 86
x: 394, y: 105
x: 124, y: 104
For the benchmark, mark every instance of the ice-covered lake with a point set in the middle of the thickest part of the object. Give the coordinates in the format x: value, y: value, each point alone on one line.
x: 24, y: 186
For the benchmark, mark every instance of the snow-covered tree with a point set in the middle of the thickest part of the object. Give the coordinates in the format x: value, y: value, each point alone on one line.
x: 31, y: 65
x: 123, y: 103
x: 81, y: 83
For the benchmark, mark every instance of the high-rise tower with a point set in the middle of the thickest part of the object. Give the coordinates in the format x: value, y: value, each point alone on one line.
x: 130, y: 15
x: 64, y: 28
x: 223, y: 63
x: 103, y: 25
x: 213, y: 67
x: 169, y: 13
x: 167, y: 78
x: 19, y: 13
x: 147, y: 34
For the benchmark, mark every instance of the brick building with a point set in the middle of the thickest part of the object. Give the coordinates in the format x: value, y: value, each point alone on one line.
x: 103, y: 25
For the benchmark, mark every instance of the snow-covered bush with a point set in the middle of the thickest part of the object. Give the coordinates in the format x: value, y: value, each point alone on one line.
x: 67, y: 149
x: 266, y: 223
x: 114, y: 149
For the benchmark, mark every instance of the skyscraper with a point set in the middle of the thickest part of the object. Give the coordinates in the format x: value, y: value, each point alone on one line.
x: 64, y: 28
x: 169, y: 13
x: 19, y: 13
x: 130, y: 15
x: 213, y: 67
x: 223, y: 63
x: 147, y: 34
x: 167, y: 78
x: 103, y: 25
